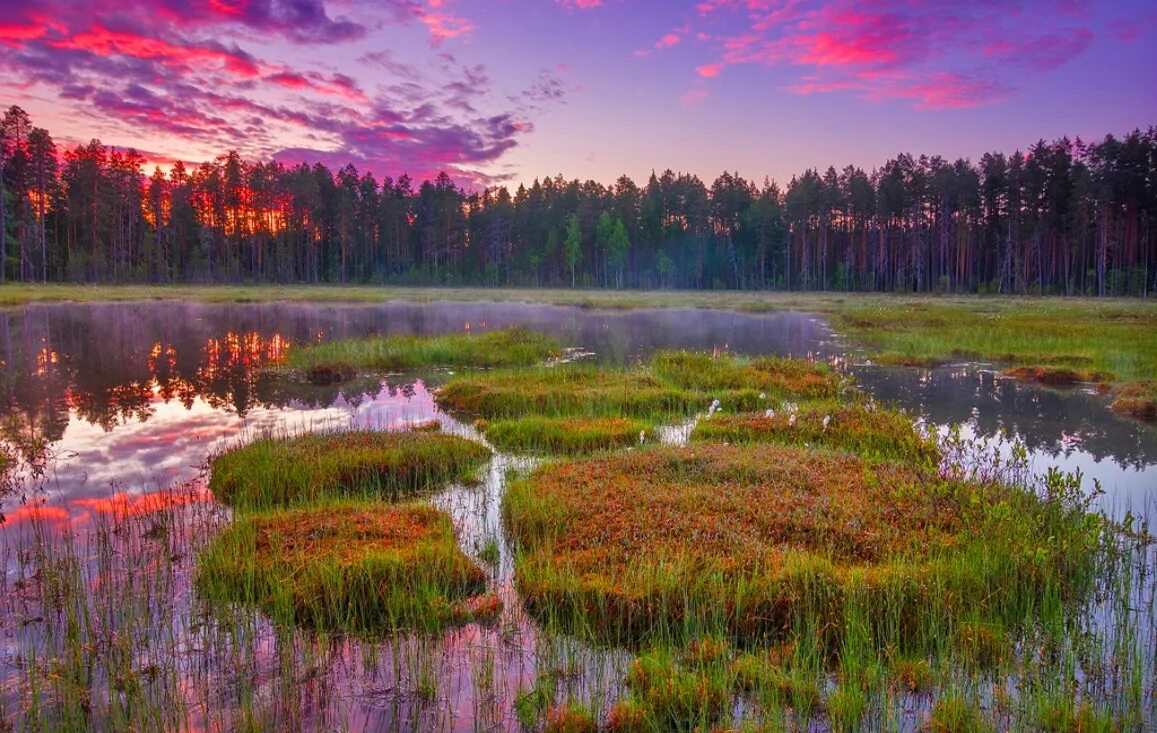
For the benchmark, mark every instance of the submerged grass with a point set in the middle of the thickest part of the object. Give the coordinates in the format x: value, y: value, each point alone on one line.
x: 291, y: 471
x: 760, y: 539
x: 568, y: 435
x: 345, y: 566
x: 509, y: 347
x: 860, y: 428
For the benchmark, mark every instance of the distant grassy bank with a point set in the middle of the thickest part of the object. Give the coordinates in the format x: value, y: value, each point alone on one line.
x: 1113, y: 341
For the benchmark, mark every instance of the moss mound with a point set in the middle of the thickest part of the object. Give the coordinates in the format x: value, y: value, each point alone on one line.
x: 508, y: 347
x: 280, y: 472
x: 755, y: 539
x: 862, y: 429
x: 566, y: 435
x: 349, y: 567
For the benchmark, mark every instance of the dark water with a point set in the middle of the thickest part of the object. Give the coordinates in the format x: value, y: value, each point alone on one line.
x: 130, y: 397
x: 114, y: 403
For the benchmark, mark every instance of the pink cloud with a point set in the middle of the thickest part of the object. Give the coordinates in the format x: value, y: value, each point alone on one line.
x: 581, y: 4
x: 137, y: 80
x: 936, y: 53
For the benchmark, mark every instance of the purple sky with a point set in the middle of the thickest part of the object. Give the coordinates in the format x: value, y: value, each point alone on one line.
x: 510, y: 90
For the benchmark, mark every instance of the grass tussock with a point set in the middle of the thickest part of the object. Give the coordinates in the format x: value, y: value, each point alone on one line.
x: 1056, y: 376
x: 1137, y: 399
x: 323, y: 375
x: 505, y: 348
x: 566, y: 435
x: 776, y: 377
x: 281, y: 472
x: 758, y: 539
x: 859, y: 428
x: 348, y: 567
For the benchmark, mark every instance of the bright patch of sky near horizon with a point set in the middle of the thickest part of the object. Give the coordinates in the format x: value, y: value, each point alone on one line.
x: 509, y: 90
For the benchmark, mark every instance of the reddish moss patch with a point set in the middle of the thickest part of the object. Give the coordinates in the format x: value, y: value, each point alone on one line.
x: 860, y: 429
x: 1137, y: 399
x: 347, y: 567
x: 750, y: 540
x: 1055, y: 376
x: 324, y: 375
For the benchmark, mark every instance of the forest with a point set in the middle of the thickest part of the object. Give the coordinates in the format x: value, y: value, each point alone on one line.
x: 1064, y: 217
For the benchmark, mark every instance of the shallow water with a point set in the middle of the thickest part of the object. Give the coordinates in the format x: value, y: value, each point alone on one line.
x: 115, y: 403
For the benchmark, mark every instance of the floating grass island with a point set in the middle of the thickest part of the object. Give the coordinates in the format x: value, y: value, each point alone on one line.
x: 295, y: 471
x: 504, y: 348
x: 673, y: 384
x: 757, y: 540
x: 568, y: 435
x: 346, y: 566
x: 860, y: 428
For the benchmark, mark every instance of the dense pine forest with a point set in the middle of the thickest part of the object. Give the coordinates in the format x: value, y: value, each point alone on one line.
x: 1064, y: 217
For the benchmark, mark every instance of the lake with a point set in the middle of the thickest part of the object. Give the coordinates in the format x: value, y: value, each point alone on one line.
x: 114, y: 405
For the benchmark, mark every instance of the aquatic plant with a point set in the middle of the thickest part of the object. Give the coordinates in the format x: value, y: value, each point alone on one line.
x: 567, y: 390
x: 508, y: 347
x: 287, y: 471
x: 567, y: 435
x: 776, y: 378
x: 760, y: 539
x: 323, y: 375
x: 345, y: 566
x: 1137, y: 399
x: 859, y: 428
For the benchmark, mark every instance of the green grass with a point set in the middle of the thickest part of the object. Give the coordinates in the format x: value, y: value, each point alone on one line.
x: 568, y: 435
x: 567, y: 390
x: 1114, y: 339
x: 508, y: 347
x: 860, y: 428
x: 276, y: 472
x: 345, y: 566
x: 673, y: 383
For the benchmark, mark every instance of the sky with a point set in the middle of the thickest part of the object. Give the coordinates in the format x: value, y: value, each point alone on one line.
x: 505, y: 91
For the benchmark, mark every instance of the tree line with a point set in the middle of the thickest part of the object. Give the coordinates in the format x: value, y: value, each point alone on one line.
x: 1063, y: 217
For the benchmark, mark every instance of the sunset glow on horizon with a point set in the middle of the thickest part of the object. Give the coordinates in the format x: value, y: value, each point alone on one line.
x: 504, y: 91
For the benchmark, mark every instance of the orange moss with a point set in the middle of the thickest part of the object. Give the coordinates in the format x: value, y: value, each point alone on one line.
x: 646, y: 537
x: 1055, y: 376
x: 324, y: 375
x: 569, y: 719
